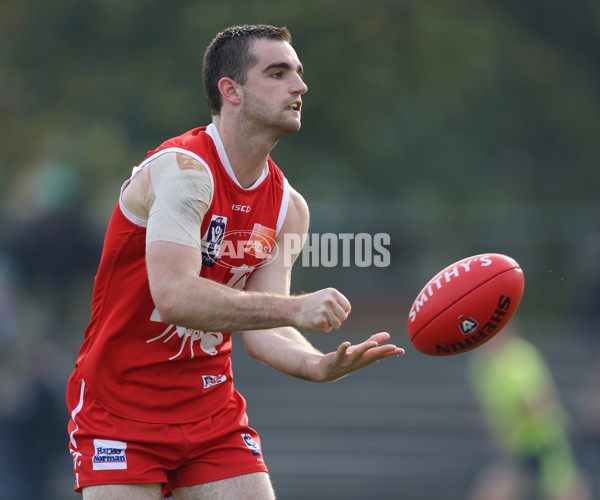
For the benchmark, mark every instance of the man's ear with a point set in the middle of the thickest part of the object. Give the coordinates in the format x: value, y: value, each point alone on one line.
x: 230, y: 90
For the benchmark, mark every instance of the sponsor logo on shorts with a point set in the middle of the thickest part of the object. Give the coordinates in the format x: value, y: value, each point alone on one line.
x: 109, y: 455
x: 251, y: 444
x: 212, y: 380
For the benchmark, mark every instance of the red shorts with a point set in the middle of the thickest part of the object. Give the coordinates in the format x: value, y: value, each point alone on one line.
x: 108, y: 449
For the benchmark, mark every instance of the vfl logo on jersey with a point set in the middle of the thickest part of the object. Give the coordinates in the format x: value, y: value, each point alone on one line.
x: 261, y: 241
x: 109, y: 455
x: 213, y: 239
x: 468, y: 326
x: 251, y: 444
x: 212, y: 380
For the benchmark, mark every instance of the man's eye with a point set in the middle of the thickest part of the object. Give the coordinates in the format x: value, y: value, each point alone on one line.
x: 277, y: 75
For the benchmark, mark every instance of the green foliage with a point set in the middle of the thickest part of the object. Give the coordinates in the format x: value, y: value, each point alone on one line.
x: 407, y: 100
x: 476, y: 121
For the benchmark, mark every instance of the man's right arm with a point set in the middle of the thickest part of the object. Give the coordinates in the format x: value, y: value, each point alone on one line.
x: 184, y: 298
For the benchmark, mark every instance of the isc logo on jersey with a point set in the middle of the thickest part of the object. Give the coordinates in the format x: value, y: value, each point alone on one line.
x: 213, y: 239
x: 241, y: 208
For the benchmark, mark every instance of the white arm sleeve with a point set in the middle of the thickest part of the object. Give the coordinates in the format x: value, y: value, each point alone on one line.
x: 175, y: 212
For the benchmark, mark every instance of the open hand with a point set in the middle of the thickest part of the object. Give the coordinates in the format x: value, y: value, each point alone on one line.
x: 348, y: 358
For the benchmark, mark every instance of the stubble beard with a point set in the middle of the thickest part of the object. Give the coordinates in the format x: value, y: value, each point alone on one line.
x: 262, y: 118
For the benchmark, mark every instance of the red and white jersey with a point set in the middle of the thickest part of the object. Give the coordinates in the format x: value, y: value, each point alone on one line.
x: 135, y: 365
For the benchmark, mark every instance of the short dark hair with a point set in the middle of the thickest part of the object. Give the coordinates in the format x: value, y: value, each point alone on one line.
x: 229, y: 56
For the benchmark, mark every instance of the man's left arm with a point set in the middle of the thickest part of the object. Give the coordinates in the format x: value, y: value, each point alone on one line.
x: 286, y: 349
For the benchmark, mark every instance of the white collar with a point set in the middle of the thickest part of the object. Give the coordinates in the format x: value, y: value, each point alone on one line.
x: 214, y: 133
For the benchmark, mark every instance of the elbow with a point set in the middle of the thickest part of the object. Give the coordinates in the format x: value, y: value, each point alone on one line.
x: 168, y: 307
x: 252, y: 346
x: 253, y: 354
x: 168, y: 314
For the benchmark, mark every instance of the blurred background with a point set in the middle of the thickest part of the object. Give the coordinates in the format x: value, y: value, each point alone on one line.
x: 455, y: 127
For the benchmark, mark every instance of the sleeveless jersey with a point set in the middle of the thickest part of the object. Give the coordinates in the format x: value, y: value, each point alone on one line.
x: 140, y: 368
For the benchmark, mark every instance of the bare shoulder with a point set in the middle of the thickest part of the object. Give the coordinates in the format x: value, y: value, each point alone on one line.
x: 135, y: 195
x: 298, y: 215
x: 140, y: 189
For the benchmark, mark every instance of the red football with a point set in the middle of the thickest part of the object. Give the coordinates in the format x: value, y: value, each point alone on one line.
x: 465, y: 304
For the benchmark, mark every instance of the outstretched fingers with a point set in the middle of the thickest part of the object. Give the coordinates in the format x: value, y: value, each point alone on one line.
x: 357, y: 351
x: 375, y: 341
x: 348, y: 358
x: 372, y: 349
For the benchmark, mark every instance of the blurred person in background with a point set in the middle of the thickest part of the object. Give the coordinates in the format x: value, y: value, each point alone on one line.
x: 527, y: 423
x: 31, y: 416
x: 152, y: 403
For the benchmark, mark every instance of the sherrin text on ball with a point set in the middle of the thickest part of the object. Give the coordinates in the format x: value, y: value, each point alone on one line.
x: 465, y: 304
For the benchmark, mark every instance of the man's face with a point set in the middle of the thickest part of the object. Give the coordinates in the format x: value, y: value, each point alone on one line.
x: 273, y: 89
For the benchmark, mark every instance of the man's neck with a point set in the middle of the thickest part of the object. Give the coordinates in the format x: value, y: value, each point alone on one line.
x: 247, y: 150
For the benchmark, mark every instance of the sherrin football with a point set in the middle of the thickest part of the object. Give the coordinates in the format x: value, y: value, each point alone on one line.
x: 465, y: 304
